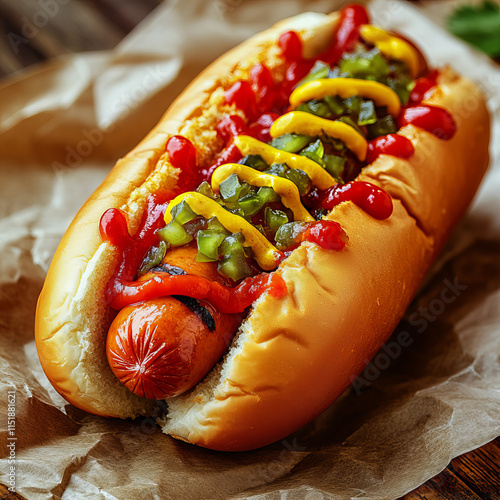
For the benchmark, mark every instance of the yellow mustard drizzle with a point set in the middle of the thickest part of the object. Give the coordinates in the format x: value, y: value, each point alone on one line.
x: 318, y: 175
x: 391, y: 46
x: 266, y: 254
x: 381, y: 94
x: 300, y: 122
x: 286, y: 189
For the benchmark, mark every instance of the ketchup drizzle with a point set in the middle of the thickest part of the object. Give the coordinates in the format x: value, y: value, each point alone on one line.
x: 261, y: 94
x: 241, y: 95
x: 422, y: 87
x: 370, y: 198
x: 182, y: 155
x: 435, y: 120
x: 328, y: 234
x: 113, y: 229
x: 390, y: 144
x: 122, y: 290
x: 351, y: 18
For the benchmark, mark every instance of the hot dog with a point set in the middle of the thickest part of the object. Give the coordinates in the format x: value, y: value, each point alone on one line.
x: 316, y: 172
x: 161, y: 348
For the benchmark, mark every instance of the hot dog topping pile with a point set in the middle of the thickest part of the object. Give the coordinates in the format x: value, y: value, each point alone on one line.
x: 306, y: 139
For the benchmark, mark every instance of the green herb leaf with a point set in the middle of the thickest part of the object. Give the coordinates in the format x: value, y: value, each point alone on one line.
x: 478, y: 25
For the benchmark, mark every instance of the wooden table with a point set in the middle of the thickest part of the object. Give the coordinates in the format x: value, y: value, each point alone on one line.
x: 473, y: 476
x: 100, y: 24
x: 33, y: 31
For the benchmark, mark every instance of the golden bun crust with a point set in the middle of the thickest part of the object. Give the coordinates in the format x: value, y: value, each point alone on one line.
x: 301, y: 352
x: 294, y: 355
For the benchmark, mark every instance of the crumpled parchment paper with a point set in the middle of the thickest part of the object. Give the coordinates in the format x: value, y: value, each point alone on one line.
x: 432, y: 392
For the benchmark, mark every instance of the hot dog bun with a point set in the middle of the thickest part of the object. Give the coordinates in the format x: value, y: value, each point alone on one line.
x: 294, y: 355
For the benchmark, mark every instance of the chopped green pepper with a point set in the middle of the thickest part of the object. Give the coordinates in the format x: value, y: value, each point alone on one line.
x: 367, y: 114
x: 208, y: 242
x: 289, y: 235
x: 205, y: 189
x: 154, y: 257
x: 335, y: 166
x: 274, y: 219
x: 319, y: 70
x: 174, y: 234
x: 382, y: 126
x: 318, y: 108
x: 182, y: 213
x: 254, y: 161
x: 233, y: 263
x: 291, y: 142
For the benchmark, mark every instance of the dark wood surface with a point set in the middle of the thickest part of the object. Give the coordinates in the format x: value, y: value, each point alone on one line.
x: 472, y: 476
x: 32, y: 31
x: 30, y: 34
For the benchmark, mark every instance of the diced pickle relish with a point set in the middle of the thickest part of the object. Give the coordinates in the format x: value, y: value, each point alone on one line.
x: 263, y: 100
x: 182, y: 213
x: 319, y: 70
x: 316, y: 107
x: 352, y: 122
x: 251, y: 204
x: 214, y: 244
x: 335, y: 165
x: 231, y: 190
x: 291, y: 142
x: 254, y: 161
x: 297, y: 176
x: 205, y: 189
x: 260, y: 205
x: 175, y: 234
x: 208, y: 241
x: 355, y: 111
x: 364, y: 63
x: 353, y: 104
x: 315, y: 152
x: 316, y: 148
x: 274, y: 219
x: 366, y: 113
x: 289, y: 235
x: 233, y: 263
x: 154, y: 257
x: 383, y: 126
x: 335, y: 103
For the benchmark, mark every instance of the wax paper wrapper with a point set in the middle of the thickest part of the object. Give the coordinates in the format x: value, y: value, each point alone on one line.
x: 433, y: 391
